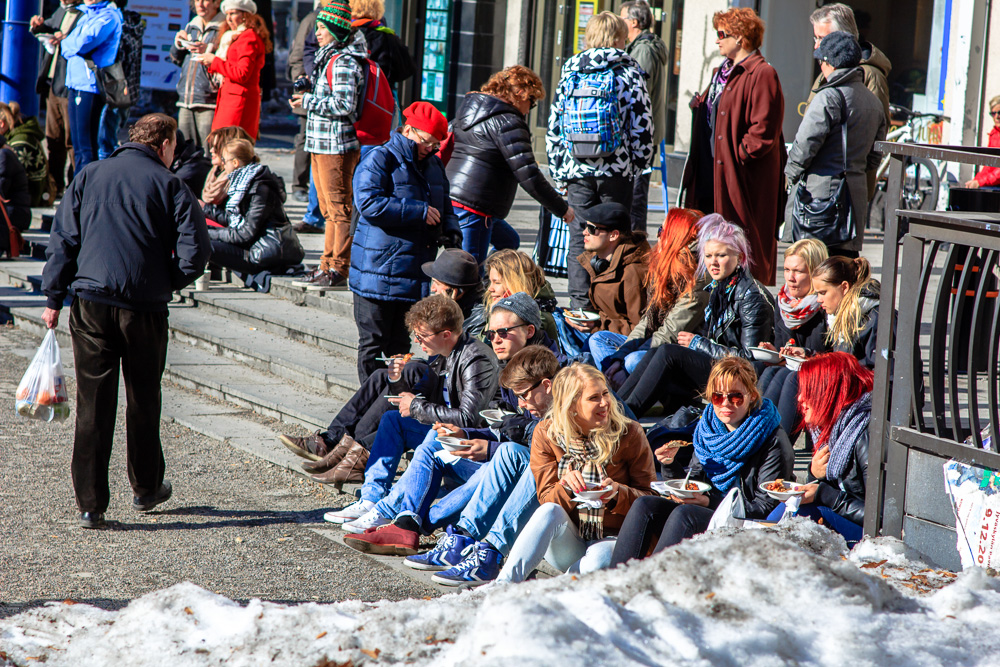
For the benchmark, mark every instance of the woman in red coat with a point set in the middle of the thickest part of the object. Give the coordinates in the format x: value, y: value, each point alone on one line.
x: 989, y: 177
x: 737, y: 159
x: 237, y: 62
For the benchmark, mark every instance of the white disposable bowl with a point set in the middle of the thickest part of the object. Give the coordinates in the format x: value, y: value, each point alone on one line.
x: 765, y: 355
x: 797, y: 490
x: 582, y: 315
x: 675, y: 487
x: 792, y: 363
x: 493, y: 417
x: 451, y: 444
x: 591, y: 495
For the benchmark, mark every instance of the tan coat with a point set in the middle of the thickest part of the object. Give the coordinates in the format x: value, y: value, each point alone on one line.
x: 619, y: 294
x: 631, y: 466
x: 688, y: 314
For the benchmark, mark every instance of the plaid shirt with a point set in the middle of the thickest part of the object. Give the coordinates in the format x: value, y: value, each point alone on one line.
x: 332, y: 110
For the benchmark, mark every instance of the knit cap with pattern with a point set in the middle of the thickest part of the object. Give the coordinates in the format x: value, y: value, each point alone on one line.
x: 336, y: 17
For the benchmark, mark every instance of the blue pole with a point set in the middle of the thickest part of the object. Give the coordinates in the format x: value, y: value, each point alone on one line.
x: 19, y: 59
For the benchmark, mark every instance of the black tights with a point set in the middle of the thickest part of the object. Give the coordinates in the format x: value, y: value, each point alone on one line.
x: 652, y: 516
x: 671, y: 374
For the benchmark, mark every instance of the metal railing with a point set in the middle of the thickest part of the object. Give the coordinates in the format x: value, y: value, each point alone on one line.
x: 936, y: 375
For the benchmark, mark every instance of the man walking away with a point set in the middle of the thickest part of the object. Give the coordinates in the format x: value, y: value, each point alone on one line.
x: 651, y: 53
x: 127, y: 234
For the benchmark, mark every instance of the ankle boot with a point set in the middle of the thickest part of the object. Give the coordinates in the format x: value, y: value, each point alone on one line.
x: 351, y: 469
x: 331, y: 460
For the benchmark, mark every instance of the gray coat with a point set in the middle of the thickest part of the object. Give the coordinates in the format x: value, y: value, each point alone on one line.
x: 651, y: 54
x: 816, y: 155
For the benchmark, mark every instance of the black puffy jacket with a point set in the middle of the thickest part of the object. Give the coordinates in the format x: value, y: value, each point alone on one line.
x: 492, y: 155
x: 746, y: 321
x: 265, y: 231
x: 388, y: 51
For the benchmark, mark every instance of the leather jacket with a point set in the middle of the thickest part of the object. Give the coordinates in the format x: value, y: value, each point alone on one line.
x: 493, y: 145
x: 846, y: 496
x: 745, y: 321
x: 471, y: 373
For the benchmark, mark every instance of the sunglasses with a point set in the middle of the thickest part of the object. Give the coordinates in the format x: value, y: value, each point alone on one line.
x: 593, y: 229
x: 502, y: 333
x: 420, y: 338
x: 534, y: 103
x: 995, y: 113
x: 735, y: 397
x: 524, y: 394
x: 722, y: 34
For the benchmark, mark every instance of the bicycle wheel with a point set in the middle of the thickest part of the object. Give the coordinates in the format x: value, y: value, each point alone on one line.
x: 920, y: 185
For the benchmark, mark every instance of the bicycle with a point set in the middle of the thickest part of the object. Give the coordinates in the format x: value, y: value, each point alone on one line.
x: 923, y: 179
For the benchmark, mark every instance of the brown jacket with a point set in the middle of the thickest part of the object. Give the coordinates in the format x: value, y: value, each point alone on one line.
x: 688, y: 314
x: 618, y: 294
x: 631, y: 466
x: 749, y: 158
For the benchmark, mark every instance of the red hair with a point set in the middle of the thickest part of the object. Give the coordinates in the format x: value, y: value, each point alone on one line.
x: 672, y: 265
x: 828, y: 383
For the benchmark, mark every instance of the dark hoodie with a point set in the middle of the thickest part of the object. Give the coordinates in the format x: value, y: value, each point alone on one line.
x: 617, y: 293
x: 651, y: 54
x: 493, y: 146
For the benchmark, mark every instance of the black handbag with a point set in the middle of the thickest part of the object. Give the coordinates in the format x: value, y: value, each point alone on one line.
x: 112, y: 84
x: 829, y: 220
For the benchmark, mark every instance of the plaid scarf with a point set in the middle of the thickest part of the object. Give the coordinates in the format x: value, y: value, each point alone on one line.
x: 239, y: 183
x: 582, y: 455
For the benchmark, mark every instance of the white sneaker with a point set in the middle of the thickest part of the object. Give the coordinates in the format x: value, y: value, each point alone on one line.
x: 371, y: 519
x: 349, y: 513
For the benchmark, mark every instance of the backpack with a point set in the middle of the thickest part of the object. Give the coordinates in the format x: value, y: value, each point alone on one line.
x: 591, y: 121
x: 374, y: 122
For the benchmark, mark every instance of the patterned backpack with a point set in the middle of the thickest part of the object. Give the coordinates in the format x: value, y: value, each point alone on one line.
x: 591, y: 121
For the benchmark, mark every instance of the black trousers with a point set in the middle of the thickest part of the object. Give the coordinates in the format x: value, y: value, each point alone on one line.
x: 671, y: 374
x: 640, y: 202
x: 782, y: 386
x: 380, y: 331
x: 655, y: 518
x: 106, y: 338
x: 300, y: 163
x: 582, y: 193
x: 361, y: 414
x: 233, y: 257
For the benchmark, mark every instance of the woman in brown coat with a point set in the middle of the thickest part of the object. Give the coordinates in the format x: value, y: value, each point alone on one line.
x: 585, y: 445
x: 737, y: 159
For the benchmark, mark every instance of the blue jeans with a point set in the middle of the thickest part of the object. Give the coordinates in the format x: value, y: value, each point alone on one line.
x: 84, y: 124
x: 605, y: 343
x: 850, y: 531
x: 504, y: 236
x: 112, y: 121
x: 395, y: 435
x: 573, y: 343
x: 312, y: 216
x: 413, y: 494
x: 476, y: 232
x: 504, y: 500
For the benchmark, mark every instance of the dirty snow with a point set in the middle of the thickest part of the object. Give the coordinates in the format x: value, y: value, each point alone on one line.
x: 786, y: 596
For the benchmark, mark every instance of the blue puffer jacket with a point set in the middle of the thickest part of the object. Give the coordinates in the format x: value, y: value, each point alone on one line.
x: 391, y: 193
x: 96, y: 35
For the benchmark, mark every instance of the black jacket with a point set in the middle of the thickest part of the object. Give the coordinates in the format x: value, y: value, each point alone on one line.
x: 14, y: 188
x: 847, y: 497
x: 265, y: 230
x: 746, y: 321
x: 58, y: 81
x: 493, y: 146
x: 388, y: 51
x: 810, y: 334
x: 775, y: 459
x: 190, y: 164
x: 472, y: 375
x: 127, y: 234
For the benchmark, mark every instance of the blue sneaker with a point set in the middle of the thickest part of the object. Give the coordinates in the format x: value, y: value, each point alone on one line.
x: 447, y: 553
x: 481, y: 566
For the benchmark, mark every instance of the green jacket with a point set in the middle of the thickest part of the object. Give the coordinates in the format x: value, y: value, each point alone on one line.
x: 651, y: 54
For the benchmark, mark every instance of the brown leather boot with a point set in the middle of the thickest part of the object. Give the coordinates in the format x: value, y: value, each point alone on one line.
x: 331, y: 460
x: 350, y: 470
x: 312, y: 447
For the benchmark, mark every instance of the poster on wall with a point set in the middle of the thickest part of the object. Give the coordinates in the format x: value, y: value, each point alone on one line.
x: 163, y: 19
x: 584, y: 11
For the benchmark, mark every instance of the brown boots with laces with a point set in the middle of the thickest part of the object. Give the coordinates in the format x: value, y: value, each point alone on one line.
x: 345, y: 463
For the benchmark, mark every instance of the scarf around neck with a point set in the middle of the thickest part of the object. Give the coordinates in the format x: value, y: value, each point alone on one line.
x: 719, y: 295
x: 851, y: 423
x: 796, y: 312
x: 722, y: 452
x: 582, y: 455
x: 239, y: 184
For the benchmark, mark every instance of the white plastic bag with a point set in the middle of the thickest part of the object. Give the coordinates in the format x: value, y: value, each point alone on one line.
x: 975, y: 498
x: 730, y: 511
x: 42, y: 392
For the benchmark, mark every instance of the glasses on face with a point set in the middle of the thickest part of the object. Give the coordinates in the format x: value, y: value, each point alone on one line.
x: 502, y: 333
x: 524, y: 394
x: 534, y: 103
x: 423, y: 338
x: 995, y: 113
x: 431, y: 143
x: 593, y: 229
x: 734, y: 397
x: 722, y: 34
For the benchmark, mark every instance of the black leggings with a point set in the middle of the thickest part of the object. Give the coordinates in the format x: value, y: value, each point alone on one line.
x: 671, y: 374
x: 782, y: 386
x: 652, y: 516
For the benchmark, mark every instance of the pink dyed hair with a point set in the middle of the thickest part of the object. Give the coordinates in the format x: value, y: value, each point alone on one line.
x: 713, y: 227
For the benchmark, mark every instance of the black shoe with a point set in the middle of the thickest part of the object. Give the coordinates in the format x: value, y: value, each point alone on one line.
x: 92, y: 520
x: 301, y: 196
x: 146, y: 503
x: 328, y: 280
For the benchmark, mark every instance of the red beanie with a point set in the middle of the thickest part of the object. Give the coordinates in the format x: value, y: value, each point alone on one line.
x: 424, y: 116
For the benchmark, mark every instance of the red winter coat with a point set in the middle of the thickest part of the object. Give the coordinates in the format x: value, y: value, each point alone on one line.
x: 749, y: 161
x: 239, y: 96
x: 990, y: 176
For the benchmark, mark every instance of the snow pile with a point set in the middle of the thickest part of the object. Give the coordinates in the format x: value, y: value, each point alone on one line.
x: 785, y: 596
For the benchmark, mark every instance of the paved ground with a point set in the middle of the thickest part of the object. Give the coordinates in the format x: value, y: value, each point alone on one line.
x: 236, y: 525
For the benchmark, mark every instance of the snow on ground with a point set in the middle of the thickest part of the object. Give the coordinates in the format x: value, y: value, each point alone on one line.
x: 785, y: 596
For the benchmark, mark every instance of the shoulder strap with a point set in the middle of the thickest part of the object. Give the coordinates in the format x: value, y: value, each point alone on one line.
x: 843, y: 128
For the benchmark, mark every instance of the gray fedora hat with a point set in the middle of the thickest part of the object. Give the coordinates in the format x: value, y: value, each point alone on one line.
x: 455, y: 268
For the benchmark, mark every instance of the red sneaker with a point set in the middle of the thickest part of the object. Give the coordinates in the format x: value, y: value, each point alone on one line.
x: 388, y: 540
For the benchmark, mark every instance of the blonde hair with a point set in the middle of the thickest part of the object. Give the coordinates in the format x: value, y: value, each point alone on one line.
x: 567, y: 388
x: 242, y: 150
x: 368, y: 9
x: 994, y: 102
x: 857, y: 273
x: 605, y: 31
x: 518, y: 272
x: 812, y: 252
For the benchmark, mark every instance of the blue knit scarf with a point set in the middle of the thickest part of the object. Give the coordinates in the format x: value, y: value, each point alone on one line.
x: 722, y: 452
